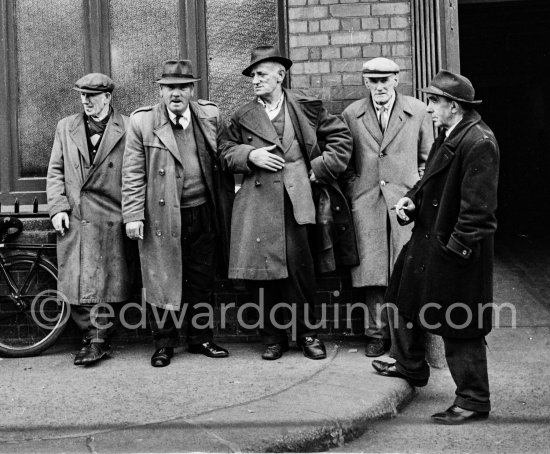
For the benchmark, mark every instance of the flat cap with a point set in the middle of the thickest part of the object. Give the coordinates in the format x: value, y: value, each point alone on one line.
x: 380, y: 67
x: 94, y: 83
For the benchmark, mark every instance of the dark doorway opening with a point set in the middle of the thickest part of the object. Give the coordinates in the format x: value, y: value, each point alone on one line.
x: 505, y: 51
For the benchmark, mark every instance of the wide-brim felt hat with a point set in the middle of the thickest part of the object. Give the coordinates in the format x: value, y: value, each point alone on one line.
x: 452, y: 86
x: 177, y: 72
x: 94, y: 83
x: 266, y: 53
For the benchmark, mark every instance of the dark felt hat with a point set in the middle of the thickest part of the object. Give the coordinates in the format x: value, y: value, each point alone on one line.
x: 266, y: 53
x: 94, y: 83
x: 177, y: 72
x: 452, y: 86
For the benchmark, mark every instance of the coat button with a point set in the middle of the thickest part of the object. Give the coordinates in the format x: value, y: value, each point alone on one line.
x: 382, y: 183
x: 337, y: 208
x: 435, y: 202
x: 343, y: 228
x: 257, y: 240
x: 464, y: 252
x: 428, y: 235
x: 161, y: 202
x: 111, y: 164
x: 158, y: 233
x: 161, y: 172
x: 422, y: 267
x: 84, y: 222
x: 215, y: 168
x: 257, y: 183
x: 381, y: 155
x: 249, y: 138
x: 110, y: 223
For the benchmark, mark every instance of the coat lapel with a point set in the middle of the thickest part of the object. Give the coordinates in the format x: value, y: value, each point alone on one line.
x: 256, y: 120
x: 371, y: 121
x: 397, y: 121
x: 163, y: 130
x: 204, y: 147
x: 78, y: 135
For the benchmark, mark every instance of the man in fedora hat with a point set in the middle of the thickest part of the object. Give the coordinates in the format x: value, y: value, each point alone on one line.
x: 283, y: 143
x: 170, y: 204
x: 84, y: 201
x: 442, y: 280
x: 392, y: 134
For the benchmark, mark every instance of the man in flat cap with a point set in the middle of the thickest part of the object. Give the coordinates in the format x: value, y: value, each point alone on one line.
x: 392, y: 134
x: 84, y: 201
x: 284, y: 143
x: 443, y: 278
x: 171, y: 198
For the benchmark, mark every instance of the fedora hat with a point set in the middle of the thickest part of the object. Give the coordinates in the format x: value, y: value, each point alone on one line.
x: 266, y: 53
x: 177, y: 72
x: 94, y: 83
x: 452, y: 86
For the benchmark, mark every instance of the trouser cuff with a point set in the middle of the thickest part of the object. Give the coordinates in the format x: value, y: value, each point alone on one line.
x: 472, y: 405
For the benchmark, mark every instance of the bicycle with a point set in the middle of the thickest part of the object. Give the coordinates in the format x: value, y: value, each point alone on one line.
x: 32, y: 313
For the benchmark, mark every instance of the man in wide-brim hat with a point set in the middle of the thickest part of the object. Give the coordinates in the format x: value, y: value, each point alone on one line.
x: 272, y: 140
x: 171, y: 204
x: 443, y: 280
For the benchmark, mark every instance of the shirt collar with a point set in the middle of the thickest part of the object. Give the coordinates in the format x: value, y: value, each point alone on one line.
x: 450, y: 129
x: 186, y: 115
x: 277, y: 105
x: 388, y: 105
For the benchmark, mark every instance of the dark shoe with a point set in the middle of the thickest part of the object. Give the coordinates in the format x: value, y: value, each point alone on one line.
x: 92, y: 353
x: 389, y: 370
x: 313, y: 348
x: 275, y: 351
x: 162, y: 356
x: 375, y: 347
x: 456, y: 415
x: 209, y: 349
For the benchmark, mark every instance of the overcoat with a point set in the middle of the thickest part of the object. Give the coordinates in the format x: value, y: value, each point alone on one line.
x: 152, y: 183
x: 383, y: 168
x: 444, y: 275
x: 93, y: 256
x: 258, y: 250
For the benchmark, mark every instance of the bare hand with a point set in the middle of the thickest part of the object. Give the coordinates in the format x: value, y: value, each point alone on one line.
x: 61, y: 222
x: 262, y: 157
x: 134, y: 230
x: 403, y: 206
x: 312, y: 177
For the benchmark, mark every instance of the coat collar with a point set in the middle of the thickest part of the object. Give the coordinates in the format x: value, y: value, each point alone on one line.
x: 163, y: 130
x: 254, y: 118
x: 77, y: 131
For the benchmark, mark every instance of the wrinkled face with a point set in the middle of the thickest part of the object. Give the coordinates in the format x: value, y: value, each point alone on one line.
x: 176, y: 96
x: 381, y: 88
x: 95, y: 104
x: 266, y: 77
x: 442, y: 111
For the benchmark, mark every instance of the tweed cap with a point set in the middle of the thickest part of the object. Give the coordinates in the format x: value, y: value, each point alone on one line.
x: 94, y: 83
x: 380, y: 67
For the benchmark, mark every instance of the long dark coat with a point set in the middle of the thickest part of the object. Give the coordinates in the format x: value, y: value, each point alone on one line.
x: 258, y: 249
x: 384, y: 167
x: 449, y: 259
x: 93, y: 259
x: 152, y: 182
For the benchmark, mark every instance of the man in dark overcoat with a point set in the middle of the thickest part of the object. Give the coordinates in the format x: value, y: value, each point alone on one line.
x: 283, y: 143
x: 84, y: 201
x: 392, y: 134
x: 442, y: 281
x: 171, y: 204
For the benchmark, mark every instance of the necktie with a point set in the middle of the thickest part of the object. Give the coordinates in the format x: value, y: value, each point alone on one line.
x: 177, y: 122
x: 383, y: 120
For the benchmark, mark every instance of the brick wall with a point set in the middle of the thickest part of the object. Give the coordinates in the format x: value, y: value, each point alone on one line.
x: 330, y: 39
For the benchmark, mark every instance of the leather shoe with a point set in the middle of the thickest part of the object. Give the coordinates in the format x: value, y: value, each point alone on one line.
x: 456, y: 415
x: 375, y: 347
x: 313, y: 348
x: 209, y: 349
x: 91, y: 353
x: 389, y: 370
x: 162, y: 356
x: 275, y: 351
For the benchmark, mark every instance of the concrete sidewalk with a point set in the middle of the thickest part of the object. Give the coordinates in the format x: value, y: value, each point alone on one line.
x: 241, y: 403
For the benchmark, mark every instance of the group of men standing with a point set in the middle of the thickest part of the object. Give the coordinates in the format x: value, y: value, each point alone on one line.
x: 164, y: 177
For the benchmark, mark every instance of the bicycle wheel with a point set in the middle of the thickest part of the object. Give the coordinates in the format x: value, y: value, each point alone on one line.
x: 34, y: 316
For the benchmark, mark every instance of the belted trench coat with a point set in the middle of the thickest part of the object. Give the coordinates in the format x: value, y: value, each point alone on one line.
x: 94, y: 256
x: 258, y: 250
x: 152, y: 182
x: 444, y: 274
